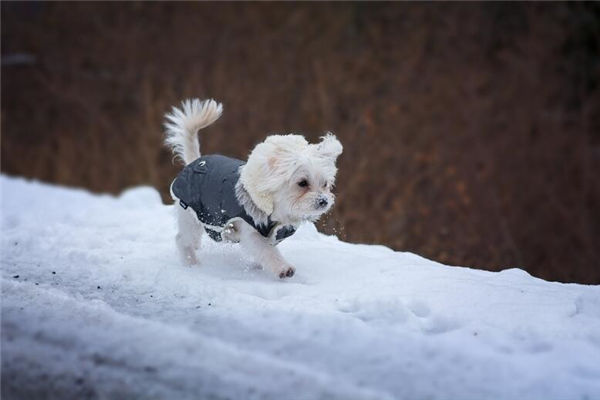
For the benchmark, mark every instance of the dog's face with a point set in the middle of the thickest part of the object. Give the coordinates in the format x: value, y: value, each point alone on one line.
x: 306, y: 195
x: 290, y: 179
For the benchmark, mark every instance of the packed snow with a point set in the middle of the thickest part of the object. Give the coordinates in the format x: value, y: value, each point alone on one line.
x: 95, y: 304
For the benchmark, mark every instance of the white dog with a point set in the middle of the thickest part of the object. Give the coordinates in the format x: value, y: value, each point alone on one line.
x: 285, y: 181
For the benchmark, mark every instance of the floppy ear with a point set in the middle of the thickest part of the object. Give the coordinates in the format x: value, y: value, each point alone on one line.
x: 329, y: 147
x: 252, y: 176
x: 268, y: 168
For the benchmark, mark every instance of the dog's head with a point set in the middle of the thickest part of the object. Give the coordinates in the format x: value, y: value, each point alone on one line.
x: 290, y: 179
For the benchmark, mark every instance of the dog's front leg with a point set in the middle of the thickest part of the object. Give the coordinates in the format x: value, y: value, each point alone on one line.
x: 265, y: 253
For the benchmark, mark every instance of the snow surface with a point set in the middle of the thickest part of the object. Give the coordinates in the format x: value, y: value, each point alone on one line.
x: 96, y: 305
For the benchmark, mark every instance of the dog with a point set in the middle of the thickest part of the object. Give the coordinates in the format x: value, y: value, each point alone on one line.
x: 258, y: 203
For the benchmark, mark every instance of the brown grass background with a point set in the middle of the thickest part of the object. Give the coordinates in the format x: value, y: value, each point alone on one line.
x: 471, y: 131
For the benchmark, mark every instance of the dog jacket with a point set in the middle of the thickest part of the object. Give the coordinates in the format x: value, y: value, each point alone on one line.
x: 207, y: 185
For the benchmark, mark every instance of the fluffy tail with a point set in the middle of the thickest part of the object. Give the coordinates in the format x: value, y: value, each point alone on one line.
x: 182, y: 126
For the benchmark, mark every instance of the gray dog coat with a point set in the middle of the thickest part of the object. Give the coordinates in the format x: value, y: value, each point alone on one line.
x: 207, y: 185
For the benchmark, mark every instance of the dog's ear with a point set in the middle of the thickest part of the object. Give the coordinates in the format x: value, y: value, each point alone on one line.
x: 252, y: 176
x: 330, y: 147
x: 269, y: 167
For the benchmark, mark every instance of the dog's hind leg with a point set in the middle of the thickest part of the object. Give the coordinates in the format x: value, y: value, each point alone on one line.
x: 188, y: 236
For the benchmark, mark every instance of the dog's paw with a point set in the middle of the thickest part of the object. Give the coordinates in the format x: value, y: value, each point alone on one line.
x: 188, y: 257
x: 287, y: 272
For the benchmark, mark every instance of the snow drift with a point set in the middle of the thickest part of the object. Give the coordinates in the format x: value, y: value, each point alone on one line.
x: 96, y: 305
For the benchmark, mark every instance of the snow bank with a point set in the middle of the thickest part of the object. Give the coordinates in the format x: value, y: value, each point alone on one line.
x: 96, y: 305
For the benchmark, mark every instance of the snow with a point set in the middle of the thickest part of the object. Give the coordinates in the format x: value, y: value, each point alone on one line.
x: 101, y: 308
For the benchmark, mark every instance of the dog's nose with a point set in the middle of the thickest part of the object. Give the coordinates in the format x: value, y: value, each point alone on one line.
x: 322, y: 202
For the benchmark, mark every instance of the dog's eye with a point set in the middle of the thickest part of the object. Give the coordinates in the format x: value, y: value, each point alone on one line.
x: 325, y: 185
x: 303, y: 183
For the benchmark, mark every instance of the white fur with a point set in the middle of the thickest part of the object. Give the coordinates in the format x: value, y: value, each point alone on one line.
x: 182, y: 126
x: 285, y: 178
x: 277, y: 162
x: 188, y: 236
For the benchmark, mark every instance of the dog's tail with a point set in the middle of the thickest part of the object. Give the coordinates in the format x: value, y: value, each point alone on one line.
x: 182, y: 126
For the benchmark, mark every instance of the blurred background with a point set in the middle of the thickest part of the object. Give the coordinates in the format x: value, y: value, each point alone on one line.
x: 471, y: 131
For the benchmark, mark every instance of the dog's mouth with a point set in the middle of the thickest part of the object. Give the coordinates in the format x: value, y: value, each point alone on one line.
x: 316, y: 214
x: 311, y: 218
x: 310, y: 210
